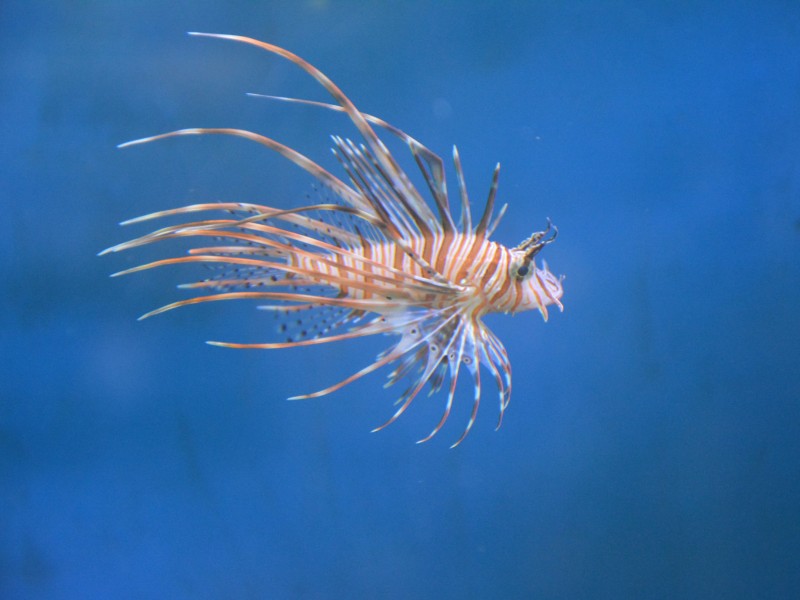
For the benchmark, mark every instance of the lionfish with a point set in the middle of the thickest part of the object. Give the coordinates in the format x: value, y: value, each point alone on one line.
x: 372, y: 259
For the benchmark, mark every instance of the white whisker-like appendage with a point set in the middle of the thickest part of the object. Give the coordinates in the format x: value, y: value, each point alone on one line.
x: 378, y: 258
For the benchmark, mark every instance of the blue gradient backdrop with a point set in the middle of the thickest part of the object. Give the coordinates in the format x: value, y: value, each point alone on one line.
x: 652, y: 447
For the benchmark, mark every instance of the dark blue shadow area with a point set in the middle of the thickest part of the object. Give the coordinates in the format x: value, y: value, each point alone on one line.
x: 652, y: 445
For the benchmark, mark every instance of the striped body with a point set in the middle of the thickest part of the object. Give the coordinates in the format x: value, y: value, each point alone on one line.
x: 479, y: 266
x: 380, y: 259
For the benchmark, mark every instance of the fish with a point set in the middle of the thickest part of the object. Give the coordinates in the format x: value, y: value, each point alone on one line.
x: 375, y: 255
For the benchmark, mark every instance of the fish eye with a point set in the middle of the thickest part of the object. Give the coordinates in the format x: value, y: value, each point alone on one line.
x: 523, y: 271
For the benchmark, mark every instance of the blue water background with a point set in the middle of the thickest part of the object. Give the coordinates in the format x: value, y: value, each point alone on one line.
x: 652, y: 445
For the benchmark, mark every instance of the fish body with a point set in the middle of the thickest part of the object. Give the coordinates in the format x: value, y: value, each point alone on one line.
x: 375, y: 257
